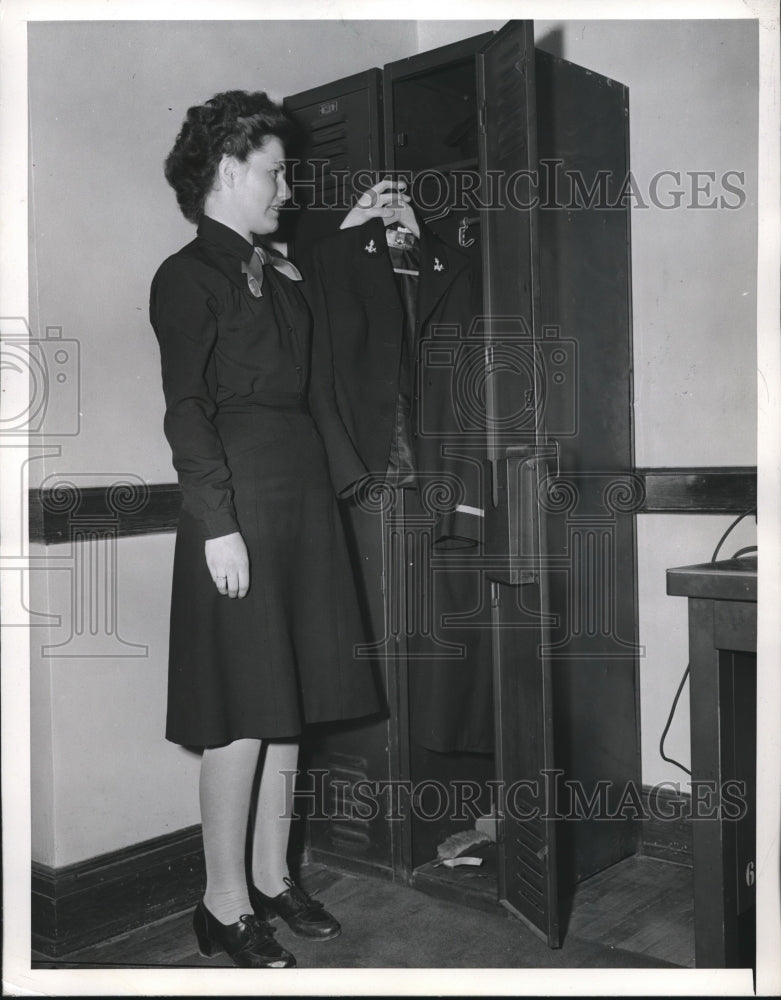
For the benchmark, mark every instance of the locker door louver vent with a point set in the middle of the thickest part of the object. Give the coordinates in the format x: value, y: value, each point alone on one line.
x: 329, y: 142
x: 347, y: 830
x: 526, y: 846
x: 509, y: 112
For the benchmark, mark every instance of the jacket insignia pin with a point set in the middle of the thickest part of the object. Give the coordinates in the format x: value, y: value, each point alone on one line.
x: 438, y: 265
x: 370, y: 247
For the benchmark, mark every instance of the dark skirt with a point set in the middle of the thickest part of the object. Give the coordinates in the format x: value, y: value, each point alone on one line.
x: 264, y: 665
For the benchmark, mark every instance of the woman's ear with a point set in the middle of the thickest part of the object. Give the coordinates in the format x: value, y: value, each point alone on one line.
x: 227, y: 169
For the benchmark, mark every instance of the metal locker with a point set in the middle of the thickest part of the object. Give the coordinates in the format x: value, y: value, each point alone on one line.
x: 559, y: 550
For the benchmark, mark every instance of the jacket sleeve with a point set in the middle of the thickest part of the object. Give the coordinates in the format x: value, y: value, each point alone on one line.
x: 183, y: 313
x: 346, y: 466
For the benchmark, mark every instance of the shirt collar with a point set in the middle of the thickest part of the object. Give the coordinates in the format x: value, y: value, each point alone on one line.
x: 224, y: 237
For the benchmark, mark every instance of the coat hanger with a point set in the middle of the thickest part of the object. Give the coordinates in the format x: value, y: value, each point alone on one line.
x: 465, y: 223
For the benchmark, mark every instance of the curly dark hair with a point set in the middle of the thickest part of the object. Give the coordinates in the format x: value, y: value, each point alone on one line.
x: 233, y: 123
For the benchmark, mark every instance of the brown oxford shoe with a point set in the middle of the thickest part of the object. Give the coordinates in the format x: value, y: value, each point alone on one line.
x: 305, y: 916
x: 249, y: 942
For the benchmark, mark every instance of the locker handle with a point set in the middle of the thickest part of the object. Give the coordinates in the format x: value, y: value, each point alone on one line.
x: 523, y: 517
x: 519, y: 514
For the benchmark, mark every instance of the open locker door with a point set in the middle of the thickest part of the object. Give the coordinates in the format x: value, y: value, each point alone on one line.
x: 521, y: 458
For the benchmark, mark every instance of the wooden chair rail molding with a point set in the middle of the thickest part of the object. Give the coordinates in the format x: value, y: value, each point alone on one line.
x: 64, y: 511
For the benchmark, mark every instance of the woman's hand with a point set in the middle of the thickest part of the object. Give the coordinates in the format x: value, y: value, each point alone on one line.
x: 387, y: 201
x: 228, y: 564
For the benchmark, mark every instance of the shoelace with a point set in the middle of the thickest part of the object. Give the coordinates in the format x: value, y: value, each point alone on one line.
x: 260, y: 931
x: 262, y: 935
x: 301, y: 896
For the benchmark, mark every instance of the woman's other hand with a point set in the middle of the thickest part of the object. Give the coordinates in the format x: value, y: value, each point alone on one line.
x: 228, y: 564
x: 385, y: 200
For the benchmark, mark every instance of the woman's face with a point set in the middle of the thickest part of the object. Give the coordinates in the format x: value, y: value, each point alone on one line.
x: 261, y: 189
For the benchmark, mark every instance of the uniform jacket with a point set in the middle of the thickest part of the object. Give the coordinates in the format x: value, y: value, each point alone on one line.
x: 357, y: 338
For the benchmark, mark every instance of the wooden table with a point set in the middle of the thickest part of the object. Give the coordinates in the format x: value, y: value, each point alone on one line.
x: 722, y: 657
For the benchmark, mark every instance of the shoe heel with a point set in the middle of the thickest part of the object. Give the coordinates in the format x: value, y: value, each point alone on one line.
x: 206, y: 944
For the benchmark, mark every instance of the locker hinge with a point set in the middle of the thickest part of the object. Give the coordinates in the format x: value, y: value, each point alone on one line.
x: 496, y: 595
x: 481, y: 117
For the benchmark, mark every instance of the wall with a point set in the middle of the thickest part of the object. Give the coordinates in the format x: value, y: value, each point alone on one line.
x: 106, y: 101
x: 102, y: 774
x: 693, y: 91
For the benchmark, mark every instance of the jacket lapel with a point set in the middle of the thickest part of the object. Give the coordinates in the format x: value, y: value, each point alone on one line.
x: 440, y: 267
x: 372, y: 271
x: 372, y: 278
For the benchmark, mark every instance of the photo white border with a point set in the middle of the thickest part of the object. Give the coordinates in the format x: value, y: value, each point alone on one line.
x: 19, y: 978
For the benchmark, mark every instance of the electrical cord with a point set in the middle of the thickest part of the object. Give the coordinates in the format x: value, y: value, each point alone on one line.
x: 671, y: 716
x: 726, y: 534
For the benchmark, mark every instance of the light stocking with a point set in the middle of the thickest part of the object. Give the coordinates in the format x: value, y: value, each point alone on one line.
x: 227, y: 776
x: 273, y: 813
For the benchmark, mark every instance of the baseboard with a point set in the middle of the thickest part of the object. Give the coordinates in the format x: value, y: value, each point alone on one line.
x: 96, y: 899
x: 93, y: 900
x: 666, y: 832
x: 351, y: 866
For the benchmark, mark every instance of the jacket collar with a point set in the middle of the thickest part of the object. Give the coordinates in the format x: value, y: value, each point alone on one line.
x: 440, y: 267
x: 440, y: 264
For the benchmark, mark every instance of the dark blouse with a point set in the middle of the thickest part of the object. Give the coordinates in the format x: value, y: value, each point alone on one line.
x: 222, y: 349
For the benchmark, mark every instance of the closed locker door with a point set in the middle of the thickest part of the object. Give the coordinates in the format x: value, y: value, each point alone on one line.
x: 335, y: 154
x: 338, y: 152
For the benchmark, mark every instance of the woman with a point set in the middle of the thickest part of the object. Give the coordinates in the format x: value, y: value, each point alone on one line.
x: 263, y: 611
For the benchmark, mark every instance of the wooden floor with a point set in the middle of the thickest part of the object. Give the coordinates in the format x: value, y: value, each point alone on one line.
x: 638, y: 913
x: 641, y: 905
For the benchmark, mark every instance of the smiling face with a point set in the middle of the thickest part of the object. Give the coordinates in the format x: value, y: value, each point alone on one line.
x: 254, y: 189
x: 262, y: 189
